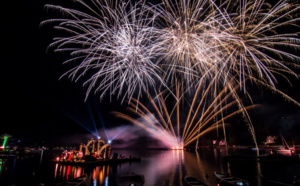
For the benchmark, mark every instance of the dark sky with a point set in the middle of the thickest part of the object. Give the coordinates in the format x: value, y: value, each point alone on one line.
x: 36, y: 104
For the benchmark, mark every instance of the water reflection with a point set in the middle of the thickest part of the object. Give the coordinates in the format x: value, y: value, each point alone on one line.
x: 159, y: 167
x: 259, y: 173
x: 64, y: 172
x: 97, y: 175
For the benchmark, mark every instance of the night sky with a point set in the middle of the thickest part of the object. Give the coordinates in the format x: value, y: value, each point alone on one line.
x: 37, y: 105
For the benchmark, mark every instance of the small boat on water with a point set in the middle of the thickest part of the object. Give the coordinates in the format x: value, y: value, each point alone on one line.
x: 225, y: 179
x: 192, y: 181
x: 78, y: 181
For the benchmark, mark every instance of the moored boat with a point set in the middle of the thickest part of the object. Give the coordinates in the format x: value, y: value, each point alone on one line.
x: 192, y: 181
x: 225, y: 179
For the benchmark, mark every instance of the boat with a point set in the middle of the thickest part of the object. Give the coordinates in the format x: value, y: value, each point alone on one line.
x: 285, y: 149
x: 192, y: 181
x: 78, y: 181
x: 131, y: 178
x: 225, y: 179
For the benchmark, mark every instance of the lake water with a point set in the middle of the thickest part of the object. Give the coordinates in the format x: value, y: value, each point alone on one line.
x: 159, y: 167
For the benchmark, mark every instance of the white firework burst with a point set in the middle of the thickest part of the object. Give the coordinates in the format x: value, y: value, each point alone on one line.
x: 112, y: 41
x: 257, y: 40
x: 185, y: 39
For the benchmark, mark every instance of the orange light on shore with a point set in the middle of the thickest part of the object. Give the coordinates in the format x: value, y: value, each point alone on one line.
x: 177, y: 148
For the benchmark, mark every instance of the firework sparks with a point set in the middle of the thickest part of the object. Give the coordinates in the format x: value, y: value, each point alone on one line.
x: 114, y: 43
x: 243, y: 38
x: 204, y: 114
x: 186, y: 31
x: 128, y: 49
x: 208, y: 48
x: 255, y: 39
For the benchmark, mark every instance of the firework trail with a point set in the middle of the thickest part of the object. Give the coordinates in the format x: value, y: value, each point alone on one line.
x: 179, y: 123
x: 186, y: 30
x: 243, y: 39
x: 128, y: 49
x: 113, y: 42
x: 257, y: 40
x: 207, y: 49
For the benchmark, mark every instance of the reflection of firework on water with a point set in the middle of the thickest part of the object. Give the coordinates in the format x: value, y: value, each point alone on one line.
x: 179, y: 123
x: 114, y: 42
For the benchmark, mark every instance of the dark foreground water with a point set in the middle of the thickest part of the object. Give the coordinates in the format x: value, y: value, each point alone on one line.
x: 159, y: 167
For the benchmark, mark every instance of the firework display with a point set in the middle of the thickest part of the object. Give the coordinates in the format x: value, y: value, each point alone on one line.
x: 128, y: 49
x: 178, y: 127
x: 113, y: 44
